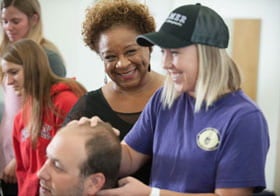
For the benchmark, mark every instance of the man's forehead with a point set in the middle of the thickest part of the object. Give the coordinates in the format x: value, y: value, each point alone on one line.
x: 51, y: 148
x: 68, y: 139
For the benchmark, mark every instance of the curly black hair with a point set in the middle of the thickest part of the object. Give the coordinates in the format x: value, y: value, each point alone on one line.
x: 107, y: 13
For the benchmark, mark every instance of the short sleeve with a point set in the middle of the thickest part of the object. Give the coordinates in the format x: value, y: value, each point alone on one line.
x: 141, y: 136
x: 243, y: 154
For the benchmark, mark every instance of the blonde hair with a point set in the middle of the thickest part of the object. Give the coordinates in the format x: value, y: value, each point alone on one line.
x: 37, y: 84
x: 218, y: 74
x: 29, y: 8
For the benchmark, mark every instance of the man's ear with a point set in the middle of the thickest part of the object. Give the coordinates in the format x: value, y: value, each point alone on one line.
x: 94, y: 183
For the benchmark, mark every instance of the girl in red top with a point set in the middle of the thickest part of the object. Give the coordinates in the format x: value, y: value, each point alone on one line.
x: 47, y: 100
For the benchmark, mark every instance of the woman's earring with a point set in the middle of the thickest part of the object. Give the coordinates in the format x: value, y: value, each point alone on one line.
x: 149, y: 68
x: 105, y: 79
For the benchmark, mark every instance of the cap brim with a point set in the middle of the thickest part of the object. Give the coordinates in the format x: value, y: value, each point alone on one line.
x: 160, y: 39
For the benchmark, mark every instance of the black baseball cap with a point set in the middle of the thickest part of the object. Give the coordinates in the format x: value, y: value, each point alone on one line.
x: 186, y: 25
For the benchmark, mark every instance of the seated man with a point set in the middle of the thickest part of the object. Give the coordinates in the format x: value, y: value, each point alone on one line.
x: 81, y: 160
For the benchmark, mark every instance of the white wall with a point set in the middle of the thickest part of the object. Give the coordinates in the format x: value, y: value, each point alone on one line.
x: 62, y: 25
x: 63, y: 18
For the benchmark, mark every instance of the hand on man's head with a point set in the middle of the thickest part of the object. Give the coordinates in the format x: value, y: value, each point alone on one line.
x: 93, y: 121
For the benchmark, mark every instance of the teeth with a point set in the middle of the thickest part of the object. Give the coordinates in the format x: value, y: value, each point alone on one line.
x: 127, y: 73
x: 175, y: 76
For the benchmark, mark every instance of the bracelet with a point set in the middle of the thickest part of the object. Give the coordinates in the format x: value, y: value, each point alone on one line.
x: 155, y: 192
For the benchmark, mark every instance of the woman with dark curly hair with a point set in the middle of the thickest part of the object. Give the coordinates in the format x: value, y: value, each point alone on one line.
x: 110, y: 29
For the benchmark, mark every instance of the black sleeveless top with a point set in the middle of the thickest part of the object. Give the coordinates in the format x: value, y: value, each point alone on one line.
x: 95, y: 104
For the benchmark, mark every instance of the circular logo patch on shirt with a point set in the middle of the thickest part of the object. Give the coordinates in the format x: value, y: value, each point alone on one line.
x: 208, y: 139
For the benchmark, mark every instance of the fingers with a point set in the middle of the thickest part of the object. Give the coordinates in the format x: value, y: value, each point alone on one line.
x: 115, y: 191
x: 116, y: 131
x: 93, y: 121
x: 13, y: 180
x: 72, y: 122
x: 124, y: 181
x: 9, y: 173
x: 84, y: 120
x: 9, y: 178
x: 109, y: 192
x: 127, y: 186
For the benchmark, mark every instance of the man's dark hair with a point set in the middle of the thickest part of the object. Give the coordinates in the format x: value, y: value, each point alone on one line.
x: 103, y: 154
